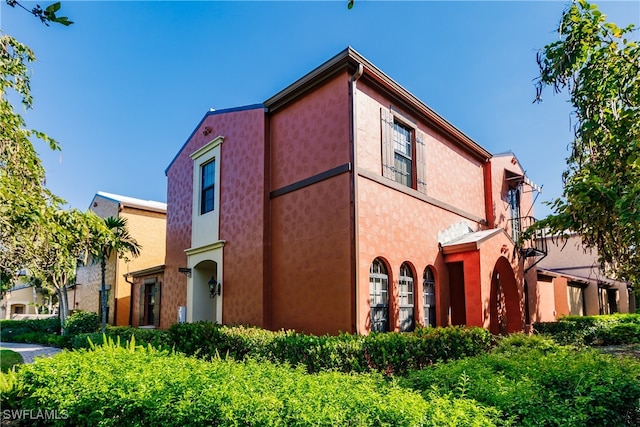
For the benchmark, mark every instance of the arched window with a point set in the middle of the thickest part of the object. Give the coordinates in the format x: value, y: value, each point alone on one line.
x: 429, y: 297
x: 379, y: 296
x: 406, y: 298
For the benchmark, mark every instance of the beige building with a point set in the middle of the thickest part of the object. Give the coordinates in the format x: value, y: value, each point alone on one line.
x: 146, y: 222
x: 24, y: 300
x: 571, y: 282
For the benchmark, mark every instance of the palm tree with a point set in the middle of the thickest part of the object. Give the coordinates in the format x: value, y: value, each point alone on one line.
x: 117, y: 240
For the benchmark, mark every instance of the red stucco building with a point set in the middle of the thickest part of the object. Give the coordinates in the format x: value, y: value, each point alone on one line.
x: 344, y: 203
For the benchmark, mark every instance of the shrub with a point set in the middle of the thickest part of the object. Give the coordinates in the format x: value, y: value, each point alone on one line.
x: 39, y: 331
x: 157, y: 338
x: 590, y: 330
x: 82, y: 322
x: 125, y: 386
x: 391, y: 353
x: 544, y: 385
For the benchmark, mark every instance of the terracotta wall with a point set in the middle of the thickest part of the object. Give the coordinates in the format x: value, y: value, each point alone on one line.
x: 453, y: 176
x: 242, y: 207
x: 311, y: 135
x: 500, y: 188
x: 311, y: 233
x: 398, y: 227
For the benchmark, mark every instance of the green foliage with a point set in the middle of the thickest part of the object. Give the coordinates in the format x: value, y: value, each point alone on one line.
x: 8, y: 359
x: 390, y: 353
x: 40, y: 331
x: 82, y: 322
x: 23, y: 197
x: 593, y: 330
x: 113, y: 386
x: 155, y: 337
x: 599, y: 65
x: 540, y: 383
x: 448, y: 411
x: 45, y: 15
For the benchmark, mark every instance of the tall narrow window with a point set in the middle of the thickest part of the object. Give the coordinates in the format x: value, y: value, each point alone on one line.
x: 406, y: 298
x: 379, y: 296
x: 403, y: 153
x: 208, y: 187
x: 429, y: 297
x: 514, y: 207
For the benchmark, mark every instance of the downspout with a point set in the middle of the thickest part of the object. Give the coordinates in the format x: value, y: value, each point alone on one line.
x: 126, y: 279
x: 354, y: 194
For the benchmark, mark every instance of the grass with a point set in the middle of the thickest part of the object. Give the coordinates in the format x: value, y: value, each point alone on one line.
x: 8, y: 359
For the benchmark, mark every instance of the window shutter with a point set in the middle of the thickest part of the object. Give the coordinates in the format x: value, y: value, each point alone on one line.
x: 386, y: 126
x: 141, y: 314
x: 156, y: 307
x: 421, y: 161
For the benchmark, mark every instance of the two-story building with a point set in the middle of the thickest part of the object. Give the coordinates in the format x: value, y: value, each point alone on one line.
x: 146, y: 223
x: 344, y: 203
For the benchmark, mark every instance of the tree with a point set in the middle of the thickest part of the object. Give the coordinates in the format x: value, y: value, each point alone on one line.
x: 23, y: 197
x: 118, y: 240
x: 45, y: 15
x: 599, y: 66
x: 64, y: 237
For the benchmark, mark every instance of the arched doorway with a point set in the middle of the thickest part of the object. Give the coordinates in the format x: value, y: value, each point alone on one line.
x: 504, y: 303
x: 204, y: 303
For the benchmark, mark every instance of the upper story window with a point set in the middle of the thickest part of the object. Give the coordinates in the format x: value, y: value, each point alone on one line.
x: 403, y: 151
x: 207, y: 189
x: 403, y: 154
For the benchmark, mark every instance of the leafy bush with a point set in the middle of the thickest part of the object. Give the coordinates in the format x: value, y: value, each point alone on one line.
x: 391, y: 353
x: 542, y: 384
x: 82, y: 322
x: 157, y: 338
x: 117, y: 386
x: 592, y: 330
x: 39, y: 331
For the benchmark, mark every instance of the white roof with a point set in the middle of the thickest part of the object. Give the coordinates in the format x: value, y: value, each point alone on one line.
x: 133, y: 202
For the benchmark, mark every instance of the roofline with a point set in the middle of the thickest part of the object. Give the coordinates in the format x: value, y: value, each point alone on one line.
x: 573, y: 278
x: 454, y: 248
x: 132, y: 202
x: 351, y: 59
x: 211, y: 113
x: 151, y: 270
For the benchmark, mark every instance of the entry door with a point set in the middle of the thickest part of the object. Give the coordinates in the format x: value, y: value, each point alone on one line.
x: 457, y: 297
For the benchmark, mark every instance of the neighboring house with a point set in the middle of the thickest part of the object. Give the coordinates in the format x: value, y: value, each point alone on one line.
x: 344, y: 203
x: 572, y: 283
x: 24, y: 299
x: 146, y: 222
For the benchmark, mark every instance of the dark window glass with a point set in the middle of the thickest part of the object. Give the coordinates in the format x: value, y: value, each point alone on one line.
x: 208, y: 187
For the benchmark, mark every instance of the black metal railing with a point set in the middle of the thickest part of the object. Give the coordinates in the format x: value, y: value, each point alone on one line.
x: 529, y: 244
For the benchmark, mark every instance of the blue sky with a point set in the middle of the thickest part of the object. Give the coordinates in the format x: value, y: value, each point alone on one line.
x: 124, y: 87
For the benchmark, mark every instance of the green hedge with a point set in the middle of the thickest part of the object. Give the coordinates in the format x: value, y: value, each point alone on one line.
x: 114, y: 386
x: 534, y: 381
x: 391, y: 353
x: 37, y: 331
x: 82, y: 322
x: 157, y: 338
x: 593, y: 330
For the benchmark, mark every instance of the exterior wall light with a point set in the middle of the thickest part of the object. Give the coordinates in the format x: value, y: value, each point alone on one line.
x: 214, y: 288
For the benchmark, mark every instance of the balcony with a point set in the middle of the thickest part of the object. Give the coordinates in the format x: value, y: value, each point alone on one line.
x: 534, y: 246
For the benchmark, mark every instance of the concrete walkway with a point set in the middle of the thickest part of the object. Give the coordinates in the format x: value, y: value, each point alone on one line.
x: 30, y: 351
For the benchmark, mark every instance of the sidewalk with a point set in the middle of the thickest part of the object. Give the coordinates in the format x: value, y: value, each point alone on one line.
x: 30, y: 351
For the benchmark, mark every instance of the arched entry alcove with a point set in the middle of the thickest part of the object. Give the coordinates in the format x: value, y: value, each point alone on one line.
x: 204, y: 304
x: 504, y: 303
